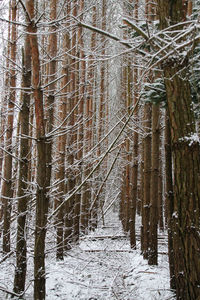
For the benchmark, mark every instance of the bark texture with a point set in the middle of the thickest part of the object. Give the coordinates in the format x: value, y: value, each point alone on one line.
x: 7, y: 188
x: 186, y: 160
x: 21, y: 252
x: 153, y: 238
x: 146, y: 180
x: 41, y: 193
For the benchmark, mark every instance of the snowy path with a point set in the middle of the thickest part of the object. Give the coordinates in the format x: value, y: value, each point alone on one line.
x: 107, y: 269
x: 98, y: 269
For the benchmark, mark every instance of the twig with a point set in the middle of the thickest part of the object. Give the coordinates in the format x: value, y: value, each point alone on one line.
x: 7, y: 256
x: 25, y: 10
x: 11, y: 293
x: 102, y: 237
x: 136, y: 28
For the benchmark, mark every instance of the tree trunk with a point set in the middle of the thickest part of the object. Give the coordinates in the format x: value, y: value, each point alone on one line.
x: 72, y: 109
x: 3, y: 107
x: 62, y: 217
x: 153, y: 239
x: 186, y: 161
x: 41, y: 193
x: 88, y: 129
x: 20, y: 270
x: 134, y: 169
x: 51, y: 75
x: 146, y: 180
x: 7, y: 189
x: 81, y: 90
x: 160, y: 190
x: 147, y: 160
x: 169, y: 198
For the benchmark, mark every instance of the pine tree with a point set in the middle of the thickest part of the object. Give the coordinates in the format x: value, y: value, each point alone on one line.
x: 186, y: 161
x: 7, y: 188
x: 21, y: 248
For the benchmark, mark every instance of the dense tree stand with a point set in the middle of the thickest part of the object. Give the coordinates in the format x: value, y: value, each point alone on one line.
x: 83, y: 140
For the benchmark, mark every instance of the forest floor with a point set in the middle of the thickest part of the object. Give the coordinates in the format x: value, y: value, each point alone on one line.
x: 101, y: 267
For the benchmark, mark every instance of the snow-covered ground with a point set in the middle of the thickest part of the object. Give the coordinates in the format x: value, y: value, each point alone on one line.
x: 101, y: 267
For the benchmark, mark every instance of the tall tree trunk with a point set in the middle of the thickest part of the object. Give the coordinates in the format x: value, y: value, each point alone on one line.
x: 21, y: 260
x: 169, y: 199
x: 153, y: 239
x: 88, y: 132
x: 51, y: 75
x: 3, y: 105
x: 160, y: 188
x: 41, y: 193
x: 72, y: 110
x: 81, y: 90
x: 146, y: 180
x: 63, y: 224
x: 186, y: 161
x: 6, y: 189
x: 147, y: 161
x: 134, y: 170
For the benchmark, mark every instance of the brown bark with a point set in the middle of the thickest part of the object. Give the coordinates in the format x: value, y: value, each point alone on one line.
x: 134, y: 169
x: 51, y: 74
x: 21, y: 260
x: 127, y: 94
x: 81, y: 69
x: 153, y: 239
x: 189, y: 8
x: 88, y: 132
x: 160, y: 189
x: 6, y: 189
x: 147, y: 159
x: 3, y: 106
x: 169, y: 199
x: 186, y: 163
x: 41, y: 193
x: 122, y: 212
x: 63, y: 224
x: 101, y: 112
x: 146, y: 180
x: 51, y: 69
x: 72, y: 134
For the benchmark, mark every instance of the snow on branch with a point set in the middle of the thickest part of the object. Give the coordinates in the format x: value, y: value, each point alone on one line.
x: 136, y: 28
x: 105, y: 33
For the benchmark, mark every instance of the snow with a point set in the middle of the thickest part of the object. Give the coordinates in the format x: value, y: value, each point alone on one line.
x: 102, y: 266
x: 193, y: 138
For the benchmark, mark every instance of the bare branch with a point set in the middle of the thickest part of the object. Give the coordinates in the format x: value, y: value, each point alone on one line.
x: 25, y: 10
x: 105, y: 33
x: 136, y: 28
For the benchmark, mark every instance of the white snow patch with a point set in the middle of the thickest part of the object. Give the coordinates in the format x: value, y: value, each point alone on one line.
x: 194, y: 138
x: 101, y: 268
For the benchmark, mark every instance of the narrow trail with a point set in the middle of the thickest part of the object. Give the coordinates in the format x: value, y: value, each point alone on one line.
x: 104, y: 267
x: 101, y: 267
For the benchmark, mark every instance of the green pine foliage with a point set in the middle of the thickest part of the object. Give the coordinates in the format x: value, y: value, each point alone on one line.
x: 155, y: 92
